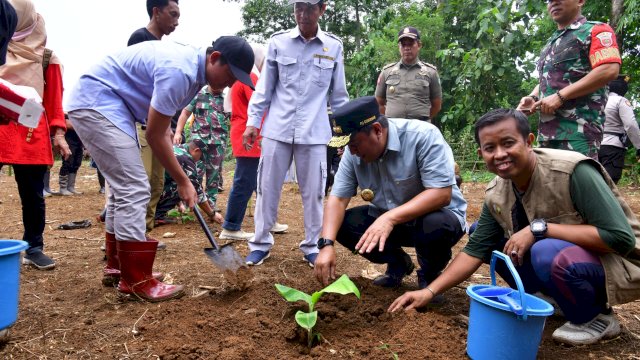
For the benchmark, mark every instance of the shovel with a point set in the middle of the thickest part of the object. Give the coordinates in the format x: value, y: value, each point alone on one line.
x: 225, y: 257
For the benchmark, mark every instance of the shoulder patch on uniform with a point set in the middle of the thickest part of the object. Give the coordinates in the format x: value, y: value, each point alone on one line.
x: 429, y: 65
x: 280, y: 32
x: 333, y: 36
x: 627, y: 102
x: 388, y: 66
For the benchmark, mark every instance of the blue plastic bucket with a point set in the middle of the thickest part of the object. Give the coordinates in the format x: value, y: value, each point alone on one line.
x: 10, y: 280
x: 505, y: 327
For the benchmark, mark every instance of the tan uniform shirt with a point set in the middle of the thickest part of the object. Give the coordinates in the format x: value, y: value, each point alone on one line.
x: 408, y: 90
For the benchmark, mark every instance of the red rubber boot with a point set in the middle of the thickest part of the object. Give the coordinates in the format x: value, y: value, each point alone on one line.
x: 111, y: 272
x: 136, y: 262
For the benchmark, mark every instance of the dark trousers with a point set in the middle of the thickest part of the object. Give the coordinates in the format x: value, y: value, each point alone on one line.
x: 333, y: 161
x: 72, y: 164
x: 432, y: 235
x: 30, y: 180
x: 245, y: 180
x: 612, y: 159
x: 573, y: 276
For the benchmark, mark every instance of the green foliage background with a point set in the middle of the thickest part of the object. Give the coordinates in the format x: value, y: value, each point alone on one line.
x: 485, y: 50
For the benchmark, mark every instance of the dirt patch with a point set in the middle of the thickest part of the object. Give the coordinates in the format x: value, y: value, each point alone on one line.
x: 66, y: 313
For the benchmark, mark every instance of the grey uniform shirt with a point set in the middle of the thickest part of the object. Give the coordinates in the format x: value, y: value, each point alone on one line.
x: 620, y: 120
x: 408, y: 89
x: 416, y: 158
x: 298, y: 79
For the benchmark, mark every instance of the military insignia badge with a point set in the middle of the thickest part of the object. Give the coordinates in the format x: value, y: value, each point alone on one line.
x: 367, y: 194
x: 497, y: 209
x: 325, y: 49
x: 627, y: 102
x: 606, y: 39
x: 392, y: 89
x: 407, y: 30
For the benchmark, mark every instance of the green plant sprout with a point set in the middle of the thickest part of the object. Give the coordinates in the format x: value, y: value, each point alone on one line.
x: 394, y: 355
x: 307, y: 320
x: 182, y: 217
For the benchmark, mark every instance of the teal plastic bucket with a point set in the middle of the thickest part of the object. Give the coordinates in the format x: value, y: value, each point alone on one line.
x: 10, y: 280
x: 504, y: 323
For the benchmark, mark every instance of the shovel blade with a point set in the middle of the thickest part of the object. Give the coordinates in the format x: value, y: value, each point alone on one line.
x: 227, y: 258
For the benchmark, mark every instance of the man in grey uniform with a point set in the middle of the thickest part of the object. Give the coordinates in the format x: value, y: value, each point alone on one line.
x: 619, y: 125
x: 303, y: 70
x: 410, y: 88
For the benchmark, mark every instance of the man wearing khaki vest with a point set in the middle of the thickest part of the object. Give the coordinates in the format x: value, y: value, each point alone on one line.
x: 562, y: 221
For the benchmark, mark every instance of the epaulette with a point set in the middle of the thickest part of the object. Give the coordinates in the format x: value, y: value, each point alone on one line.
x: 333, y: 36
x: 423, y: 63
x: 280, y: 32
x: 388, y: 66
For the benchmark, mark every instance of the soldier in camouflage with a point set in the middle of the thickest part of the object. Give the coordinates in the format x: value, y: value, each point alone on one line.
x: 188, y: 156
x: 212, y: 126
x: 576, y: 64
x: 409, y: 88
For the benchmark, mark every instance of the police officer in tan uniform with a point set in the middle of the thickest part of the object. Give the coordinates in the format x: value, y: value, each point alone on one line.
x: 410, y: 88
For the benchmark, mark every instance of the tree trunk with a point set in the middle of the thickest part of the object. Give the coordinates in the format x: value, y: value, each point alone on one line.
x: 617, y: 9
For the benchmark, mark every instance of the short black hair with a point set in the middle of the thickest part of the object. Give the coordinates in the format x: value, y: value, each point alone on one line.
x: 382, y: 120
x: 157, y: 3
x: 619, y: 86
x: 497, y: 115
x: 222, y: 59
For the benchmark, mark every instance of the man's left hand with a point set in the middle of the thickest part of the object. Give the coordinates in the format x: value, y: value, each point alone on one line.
x: 376, y: 234
x: 519, y: 244
x: 60, y: 145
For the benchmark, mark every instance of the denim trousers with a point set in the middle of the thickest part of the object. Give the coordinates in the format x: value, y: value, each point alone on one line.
x: 244, y: 184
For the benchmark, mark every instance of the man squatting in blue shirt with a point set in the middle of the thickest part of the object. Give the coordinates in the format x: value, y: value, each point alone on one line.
x: 150, y: 80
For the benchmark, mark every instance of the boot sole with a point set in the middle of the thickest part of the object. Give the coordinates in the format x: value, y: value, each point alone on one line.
x: 237, y: 238
x: 133, y: 295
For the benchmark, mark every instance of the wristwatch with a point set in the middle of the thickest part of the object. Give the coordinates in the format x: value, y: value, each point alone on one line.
x: 322, y: 242
x: 538, y: 228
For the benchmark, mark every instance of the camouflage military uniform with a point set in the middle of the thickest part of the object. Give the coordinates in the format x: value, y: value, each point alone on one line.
x: 569, y: 55
x: 408, y: 90
x: 194, y: 170
x: 211, y: 125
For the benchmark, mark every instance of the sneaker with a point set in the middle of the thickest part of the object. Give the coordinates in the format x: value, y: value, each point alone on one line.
x: 39, y: 260
x: 279, y: 228
x: 392, y: 278
x: 601, y: 327
x: 311, y: 259
x: 256, y: 257
x: 235, y: 235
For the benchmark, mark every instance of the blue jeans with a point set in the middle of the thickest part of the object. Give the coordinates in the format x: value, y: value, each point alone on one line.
x: 244, y: 184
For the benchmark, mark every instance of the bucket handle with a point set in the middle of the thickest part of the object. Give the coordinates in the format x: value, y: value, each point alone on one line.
x: 499, y: 255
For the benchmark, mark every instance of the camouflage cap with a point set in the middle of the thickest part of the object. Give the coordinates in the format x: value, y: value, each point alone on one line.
x: 199, y: 143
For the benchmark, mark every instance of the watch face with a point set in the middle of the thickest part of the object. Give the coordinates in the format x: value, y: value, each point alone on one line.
x: 537, y: 227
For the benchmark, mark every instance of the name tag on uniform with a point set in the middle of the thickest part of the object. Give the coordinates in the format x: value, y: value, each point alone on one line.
x: 319, y: 56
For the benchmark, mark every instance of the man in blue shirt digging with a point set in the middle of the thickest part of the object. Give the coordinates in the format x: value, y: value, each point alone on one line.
x: 150, y: 80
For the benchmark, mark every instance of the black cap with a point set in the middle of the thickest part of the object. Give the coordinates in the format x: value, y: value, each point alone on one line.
x: 239, y: 56
x: 305, y: 1
x: 352, y: 117
x: 409, y: 32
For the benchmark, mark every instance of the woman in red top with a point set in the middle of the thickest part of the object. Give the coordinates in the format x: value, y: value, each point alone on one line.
x: 245, y: 176
x: 29, y: 150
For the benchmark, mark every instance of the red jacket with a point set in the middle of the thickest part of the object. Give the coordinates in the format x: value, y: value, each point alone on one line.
x: 22, y: 145
x: 240, y: 95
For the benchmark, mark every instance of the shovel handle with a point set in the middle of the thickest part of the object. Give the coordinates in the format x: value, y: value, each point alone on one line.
x: 205, y: 227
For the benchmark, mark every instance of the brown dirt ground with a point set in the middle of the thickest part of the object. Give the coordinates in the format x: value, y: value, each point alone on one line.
x: 66, y: 313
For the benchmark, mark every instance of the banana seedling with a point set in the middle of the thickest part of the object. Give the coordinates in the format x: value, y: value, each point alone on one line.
x: 307, y: 320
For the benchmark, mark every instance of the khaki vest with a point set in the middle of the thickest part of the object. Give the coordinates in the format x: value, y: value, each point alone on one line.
x: 548, y: 197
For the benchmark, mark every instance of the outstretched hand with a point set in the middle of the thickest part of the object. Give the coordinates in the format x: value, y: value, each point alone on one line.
x: 411, y: 300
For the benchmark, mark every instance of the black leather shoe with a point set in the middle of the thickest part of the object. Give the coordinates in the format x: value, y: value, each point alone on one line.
x: 391, y: 279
